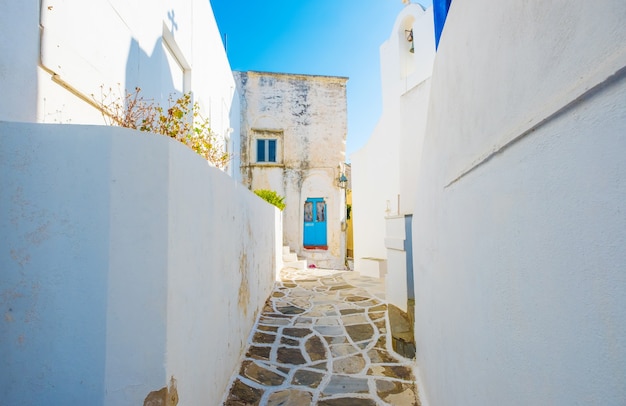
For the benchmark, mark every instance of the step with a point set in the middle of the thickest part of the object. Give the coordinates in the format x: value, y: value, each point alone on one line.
x: 299, y: 264
x: 286, y: 250
x: 291, y: 257
x: 373, y: 267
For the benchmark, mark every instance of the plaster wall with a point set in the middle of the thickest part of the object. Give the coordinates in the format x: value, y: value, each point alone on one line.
x: 384, y: 170
x: 396, y: 285
x: 307, y: 114
x: 121, y: 271
x: 19, y: 55
x: 414, y: 110
x: 374, y: 180
x: 59, y: 56
x: 518, y: 223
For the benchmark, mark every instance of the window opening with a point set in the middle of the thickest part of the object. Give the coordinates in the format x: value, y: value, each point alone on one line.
x: 266, y: 150
x: 321, y: 216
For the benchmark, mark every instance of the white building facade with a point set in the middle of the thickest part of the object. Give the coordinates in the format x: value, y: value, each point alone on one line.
x: 293, y: 134
x: 59, y: 57
x: 511, y: 164
x: 385, y: 169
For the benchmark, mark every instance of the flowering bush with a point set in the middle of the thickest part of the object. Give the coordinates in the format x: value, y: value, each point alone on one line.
x: 181, y: 120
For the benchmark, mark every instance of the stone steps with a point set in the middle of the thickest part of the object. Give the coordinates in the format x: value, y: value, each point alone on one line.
x: 290, y: 259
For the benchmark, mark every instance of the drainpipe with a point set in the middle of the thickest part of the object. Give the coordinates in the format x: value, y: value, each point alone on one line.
x: 56, y: 78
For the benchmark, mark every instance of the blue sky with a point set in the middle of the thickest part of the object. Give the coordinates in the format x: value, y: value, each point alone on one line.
x: 315, y: 37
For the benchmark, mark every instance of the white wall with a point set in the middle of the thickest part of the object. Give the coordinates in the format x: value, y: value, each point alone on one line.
x: 519, y: 227
x: 19, y: 54
x: 396, y: 242
x: 126, y: 260
x: 385, y: 169
x: 117, y: 44
x: 374, y: 193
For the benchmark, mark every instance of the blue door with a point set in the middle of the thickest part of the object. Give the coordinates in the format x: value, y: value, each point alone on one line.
x: 315, y: 223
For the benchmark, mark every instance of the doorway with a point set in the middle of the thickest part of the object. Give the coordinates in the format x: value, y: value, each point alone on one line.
x: 315, y: 223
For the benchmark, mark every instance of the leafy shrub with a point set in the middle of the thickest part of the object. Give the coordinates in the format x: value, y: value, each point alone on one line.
x: 181, y: 121
x: 271, y: 197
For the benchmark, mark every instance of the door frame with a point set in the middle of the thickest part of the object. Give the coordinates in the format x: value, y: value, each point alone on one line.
x: 312, y: 225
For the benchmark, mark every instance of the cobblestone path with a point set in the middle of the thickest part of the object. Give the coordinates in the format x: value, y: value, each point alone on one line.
x: 322, y: 340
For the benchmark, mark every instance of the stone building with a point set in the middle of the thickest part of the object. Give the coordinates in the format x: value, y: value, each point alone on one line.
x: 292, y: 141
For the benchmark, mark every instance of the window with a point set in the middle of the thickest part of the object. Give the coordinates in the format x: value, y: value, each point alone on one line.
x: 176, y: 78
x: 308, y: 212
x: 266, y: 150
x: 319, y: 209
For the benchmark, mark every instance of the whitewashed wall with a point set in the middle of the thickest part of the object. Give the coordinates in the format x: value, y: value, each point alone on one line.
x: 125, y: 261
x: 519, y: 226
x: 49, y: 74
x: 19, y: 54
x: 385, y: 169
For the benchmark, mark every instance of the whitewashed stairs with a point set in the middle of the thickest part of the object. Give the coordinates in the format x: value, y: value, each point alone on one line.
x: 290, y: 259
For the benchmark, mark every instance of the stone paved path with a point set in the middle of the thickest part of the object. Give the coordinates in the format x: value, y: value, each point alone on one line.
x: 322, y: 340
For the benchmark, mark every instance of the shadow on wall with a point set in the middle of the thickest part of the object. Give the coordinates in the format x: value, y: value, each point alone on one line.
x: 113, y: 266
x: 151, y: 73
x: 19, y: 54
x: 232, y: 139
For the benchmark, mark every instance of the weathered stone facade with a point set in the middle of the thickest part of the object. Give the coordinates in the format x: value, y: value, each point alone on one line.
x: 305, y: 118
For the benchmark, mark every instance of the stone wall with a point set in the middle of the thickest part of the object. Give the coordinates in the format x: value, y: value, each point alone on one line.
x: 308, y: 117
x: 126, y: 261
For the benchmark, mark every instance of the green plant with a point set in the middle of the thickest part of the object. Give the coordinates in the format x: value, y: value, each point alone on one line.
x: 271, y: 197
x: 181, y: 120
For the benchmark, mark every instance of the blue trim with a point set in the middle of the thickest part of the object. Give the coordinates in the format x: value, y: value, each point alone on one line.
x: 315, y: 223
x: 440, y: 13
x: 271, y: 150
x: 260, y: 150
x: 266, y: 150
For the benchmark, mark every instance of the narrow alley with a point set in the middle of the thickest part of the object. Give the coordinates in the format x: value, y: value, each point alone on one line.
x: 322, y: 339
